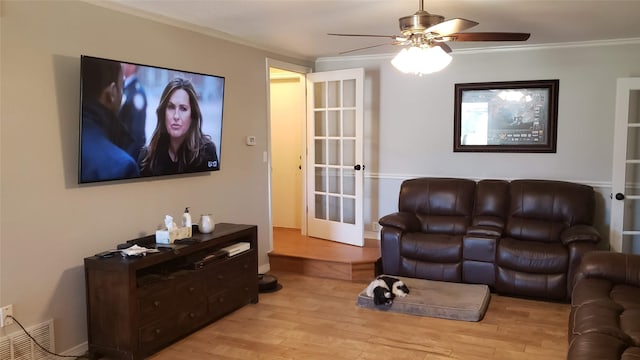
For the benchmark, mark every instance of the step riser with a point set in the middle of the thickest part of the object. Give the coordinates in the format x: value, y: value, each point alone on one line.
x: 321, y: 268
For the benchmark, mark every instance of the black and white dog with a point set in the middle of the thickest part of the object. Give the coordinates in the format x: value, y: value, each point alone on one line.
x: 385, y: 288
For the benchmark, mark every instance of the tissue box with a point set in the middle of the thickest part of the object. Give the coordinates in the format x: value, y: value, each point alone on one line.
x: 169, y: 236
x: 183, y: 233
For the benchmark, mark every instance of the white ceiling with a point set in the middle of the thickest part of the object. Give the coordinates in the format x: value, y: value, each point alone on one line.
x: 299, y: 27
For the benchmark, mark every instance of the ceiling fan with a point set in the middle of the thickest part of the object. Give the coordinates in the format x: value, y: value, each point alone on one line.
x: 423, y: 29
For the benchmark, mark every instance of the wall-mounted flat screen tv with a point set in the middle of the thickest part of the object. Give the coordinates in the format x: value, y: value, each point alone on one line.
x: 146, y: 121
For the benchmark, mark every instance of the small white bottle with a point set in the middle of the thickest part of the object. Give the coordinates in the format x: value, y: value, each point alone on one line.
x: 186, y: 218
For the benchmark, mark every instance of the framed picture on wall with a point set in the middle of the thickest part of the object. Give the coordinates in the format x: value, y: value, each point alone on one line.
x: 514, y: 116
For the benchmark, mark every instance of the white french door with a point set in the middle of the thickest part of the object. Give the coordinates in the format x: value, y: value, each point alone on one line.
x: 625, y: 193
x: 335, y: 169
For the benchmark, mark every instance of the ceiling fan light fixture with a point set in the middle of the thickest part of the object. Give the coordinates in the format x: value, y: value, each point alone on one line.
x: 421, y: 60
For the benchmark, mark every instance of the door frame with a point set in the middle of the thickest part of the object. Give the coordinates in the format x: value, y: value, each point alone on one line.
x: 303, y: 71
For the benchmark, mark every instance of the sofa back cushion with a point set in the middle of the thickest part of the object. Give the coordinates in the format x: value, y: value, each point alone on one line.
x: 443, y: 205
x: 492, y: 202
x: 540, y: 210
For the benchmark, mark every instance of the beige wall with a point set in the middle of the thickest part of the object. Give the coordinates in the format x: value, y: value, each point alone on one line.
x: 49, y: 223
x: 409, y: 119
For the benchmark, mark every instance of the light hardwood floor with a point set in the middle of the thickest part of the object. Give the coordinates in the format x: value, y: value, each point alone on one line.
x: 315, y: 318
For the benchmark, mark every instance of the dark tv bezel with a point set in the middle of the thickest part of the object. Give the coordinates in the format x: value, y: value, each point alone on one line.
x: 148, y: 177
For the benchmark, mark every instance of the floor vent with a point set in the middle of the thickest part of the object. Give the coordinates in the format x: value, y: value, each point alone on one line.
x: 19, y: 346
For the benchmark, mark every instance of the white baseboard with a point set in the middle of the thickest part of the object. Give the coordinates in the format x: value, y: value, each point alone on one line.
x: 263, y: 269
x: 77, y: 350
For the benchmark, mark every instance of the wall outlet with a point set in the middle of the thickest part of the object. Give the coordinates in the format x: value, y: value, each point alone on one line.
x: 375, y: 226
x: 6, y: 313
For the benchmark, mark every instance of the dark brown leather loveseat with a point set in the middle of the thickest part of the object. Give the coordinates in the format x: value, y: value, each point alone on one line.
x: 523, y: 237
x: 605, y: 308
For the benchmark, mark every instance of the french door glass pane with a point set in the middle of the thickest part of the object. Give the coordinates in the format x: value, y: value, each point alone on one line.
x: 349, y: 210
x: 321, y: 207
x: 334, y: 208
x: 334, y: 152
x: 320, y: 123
x: 631, y: 243
x: 349, y: 181
x: 349, y: 123
x: 321, y: 175
x: 319, y: 96
x: 349, y: 88
x: 631, y: 215
x: 333, y: 94
x: 334, y: 181
x: 334, y: 123
x: 349, y: 152
x: 321, y: 151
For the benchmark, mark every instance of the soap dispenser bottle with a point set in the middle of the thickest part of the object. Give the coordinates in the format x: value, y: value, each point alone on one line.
x: 186, y: 218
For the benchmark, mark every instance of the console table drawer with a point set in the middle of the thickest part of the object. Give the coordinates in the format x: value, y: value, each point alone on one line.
x: 226, y: 272
x: 221, y: 303
x: 191, y: 290
x: 232, y: 297
x: 193, y: 317
x: 156, y: 334
x: 156, y: 304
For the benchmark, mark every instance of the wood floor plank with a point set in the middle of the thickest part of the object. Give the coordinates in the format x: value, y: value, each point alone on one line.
x: 316, y: 318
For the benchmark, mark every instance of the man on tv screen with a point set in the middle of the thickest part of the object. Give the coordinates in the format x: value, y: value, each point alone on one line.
x: 104, y: 138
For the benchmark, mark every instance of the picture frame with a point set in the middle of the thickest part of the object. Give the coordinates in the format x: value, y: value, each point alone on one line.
x: 511, y: 116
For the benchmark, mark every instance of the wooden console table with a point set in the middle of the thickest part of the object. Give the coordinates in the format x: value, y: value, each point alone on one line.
x: 137, y: 306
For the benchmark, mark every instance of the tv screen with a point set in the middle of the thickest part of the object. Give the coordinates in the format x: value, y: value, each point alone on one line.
x: 145, y: 121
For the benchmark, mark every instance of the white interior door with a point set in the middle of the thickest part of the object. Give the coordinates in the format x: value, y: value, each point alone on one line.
x: 335, y: 166
x: 625, y: 193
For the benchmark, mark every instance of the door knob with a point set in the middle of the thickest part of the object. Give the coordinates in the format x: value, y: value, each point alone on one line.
x: 358, y: 167
x: 619, y: 196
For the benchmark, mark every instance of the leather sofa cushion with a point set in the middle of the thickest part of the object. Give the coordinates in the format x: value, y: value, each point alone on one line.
x: 492, y: 201
x: 441, y: 204
x: 437, y: 248
x: 603, y: 307
x: 602, y: 347
x: 549, y: 286
x: 443, y: 224
x: 534, y: 229
x: 532, y: 256
x: 541, y: 209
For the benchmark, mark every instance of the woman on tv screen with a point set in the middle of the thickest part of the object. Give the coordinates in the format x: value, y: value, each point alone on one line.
x: 178, y: 144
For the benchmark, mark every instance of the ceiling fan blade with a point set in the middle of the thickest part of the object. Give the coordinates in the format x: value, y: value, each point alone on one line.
x: 394, y: 37
x: 451, y: 26
x: 364, y: 48
x: 488, y: 36
x: 444, y: 46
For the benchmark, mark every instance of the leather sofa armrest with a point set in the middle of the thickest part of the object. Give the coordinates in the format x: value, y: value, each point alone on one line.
x: 580, y: 233
x: 619, y: 268
x: 404, y: 221
x: 485, y: 230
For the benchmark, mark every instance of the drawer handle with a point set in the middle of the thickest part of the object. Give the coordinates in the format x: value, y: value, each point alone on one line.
x: 157, y: 331
x: 192, y: 315
x: 192, y: 289
x: 156, y: 303
x: 220, y: 277
x: 221, y: 300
